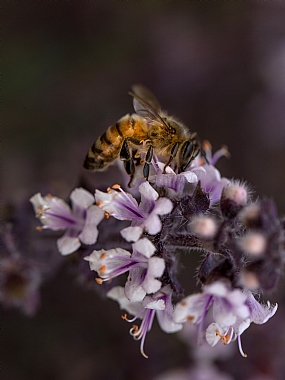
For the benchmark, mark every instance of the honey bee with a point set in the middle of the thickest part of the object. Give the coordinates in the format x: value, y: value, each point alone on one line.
x: 149, y: 131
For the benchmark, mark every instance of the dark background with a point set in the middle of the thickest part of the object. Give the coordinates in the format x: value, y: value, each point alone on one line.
x: 66, y: 70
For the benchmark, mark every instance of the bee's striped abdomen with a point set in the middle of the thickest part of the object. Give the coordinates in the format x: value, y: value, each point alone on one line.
x: 107, y: 147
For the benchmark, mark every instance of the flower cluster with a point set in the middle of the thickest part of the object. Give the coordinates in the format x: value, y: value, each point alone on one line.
x: 241, y: 242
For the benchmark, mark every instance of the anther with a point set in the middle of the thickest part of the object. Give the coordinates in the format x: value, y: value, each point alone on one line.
x: 206, y: 145
x: 103, y: 269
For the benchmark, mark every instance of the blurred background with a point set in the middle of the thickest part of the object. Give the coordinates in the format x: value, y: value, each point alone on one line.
x: 67, y: 68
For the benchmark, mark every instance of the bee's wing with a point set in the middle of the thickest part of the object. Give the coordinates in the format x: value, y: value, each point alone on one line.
x: 146, y: 104
x: 144, y: 94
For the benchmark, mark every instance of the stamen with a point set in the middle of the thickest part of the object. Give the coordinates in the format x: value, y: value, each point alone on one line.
x: 102, y: 269
x: 41, y: 211
x: 99, y: 280
x: 206, y: 145
x: 135, y: 329
x: 142, y: 351
x: 231, y: 335
x: 133, y: 319
x: 225, y: 338
x: 116, y: 187
x: 240, y: 347
x: 107, y: 215
x: 128, y: 198
x: 220, y: 153
x: 104, y: 254
x: 39, y: 228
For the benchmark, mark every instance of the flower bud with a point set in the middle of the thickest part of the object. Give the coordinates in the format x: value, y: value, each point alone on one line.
x: 254, y: 244
x: 250, y: 280
x: 234, y: 198
x: 250, y: 216
x: 204, y: 227
x: 262, y: 215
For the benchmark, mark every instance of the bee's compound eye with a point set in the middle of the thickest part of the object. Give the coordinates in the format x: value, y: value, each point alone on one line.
x: 171, y: 129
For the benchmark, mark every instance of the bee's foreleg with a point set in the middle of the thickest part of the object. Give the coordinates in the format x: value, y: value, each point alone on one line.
x: 148, y: 158
x: 188, y: 153
x: 172, y: 155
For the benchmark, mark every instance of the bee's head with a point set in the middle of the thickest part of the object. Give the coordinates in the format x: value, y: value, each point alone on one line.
x: 171, y: 125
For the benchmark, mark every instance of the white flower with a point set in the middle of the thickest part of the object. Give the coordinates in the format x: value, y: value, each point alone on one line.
x: 159, y: 304
x: 124, y: 206
x: 144, y: 268
x: 80, y: 222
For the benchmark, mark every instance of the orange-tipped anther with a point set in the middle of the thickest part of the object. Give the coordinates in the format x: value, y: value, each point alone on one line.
x: 103, y: 269
x: 104, y: 254
x: 206, y: 145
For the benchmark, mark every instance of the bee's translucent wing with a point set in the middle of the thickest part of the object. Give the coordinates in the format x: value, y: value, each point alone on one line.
x: 149, y: 99
x: 146, y: 104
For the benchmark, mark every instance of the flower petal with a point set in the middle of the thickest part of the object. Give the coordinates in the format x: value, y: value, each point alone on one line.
x: 133, y: 288
x: 259, y: 313
x: 213, y: 334
x: 117, y: 294
x: 163, y: 206
x: 67, y: 245
x: 131, y: 234
x: 145, y: 247
x: 166, y: 322
x: 82, y: 197
x: 89, y: 234
x: 153, y: 224
x: 191, y: 308
x: 148, y: 191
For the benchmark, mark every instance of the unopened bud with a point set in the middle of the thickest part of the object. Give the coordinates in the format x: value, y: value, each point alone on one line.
x: 250, y: 280
x: 254, y: 244
x: 236, y: 193
x: 234, y: 198
x: 204, y: 227
x: 250, y: 216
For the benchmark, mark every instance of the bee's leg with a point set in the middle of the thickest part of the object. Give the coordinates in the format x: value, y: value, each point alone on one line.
x: 188, y: 153
x: 125, y: 155
x: 147, y: 162
x: 172, y: 155
x: 203, y: 155
x: 128, y: 158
